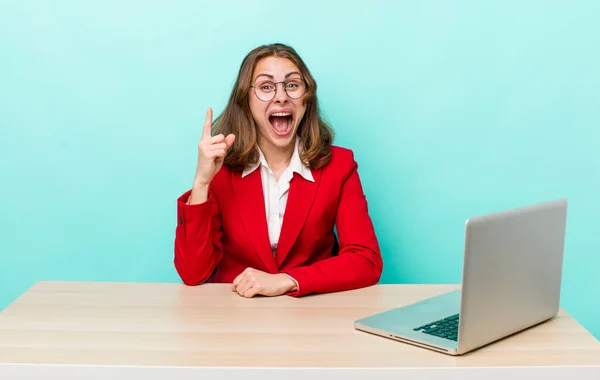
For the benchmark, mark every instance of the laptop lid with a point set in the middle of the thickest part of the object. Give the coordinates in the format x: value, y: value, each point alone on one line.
x: 512, y: 272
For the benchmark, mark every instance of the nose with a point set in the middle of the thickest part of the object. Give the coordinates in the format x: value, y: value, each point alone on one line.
x: 280, y: 95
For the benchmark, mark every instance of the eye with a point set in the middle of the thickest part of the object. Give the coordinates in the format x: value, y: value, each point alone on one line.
x: 293, y: 84
x: 268, y: 86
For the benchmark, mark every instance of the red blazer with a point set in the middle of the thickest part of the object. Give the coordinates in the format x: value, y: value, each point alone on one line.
x: 216, y: 240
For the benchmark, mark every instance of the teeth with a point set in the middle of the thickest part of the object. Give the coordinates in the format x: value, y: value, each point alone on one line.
x: 281, y: 114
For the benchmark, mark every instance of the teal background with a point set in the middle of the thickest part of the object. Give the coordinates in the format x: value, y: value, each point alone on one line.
x: 453, y: 108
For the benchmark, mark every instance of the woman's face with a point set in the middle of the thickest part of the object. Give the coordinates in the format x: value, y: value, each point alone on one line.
x: 277, y: 118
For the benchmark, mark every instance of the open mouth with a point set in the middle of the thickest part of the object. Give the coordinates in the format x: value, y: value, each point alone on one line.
x: 281, y: 123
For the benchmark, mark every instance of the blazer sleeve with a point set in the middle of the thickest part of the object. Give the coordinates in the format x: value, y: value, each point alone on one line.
x: 198, y: 247
x: 359, y: 263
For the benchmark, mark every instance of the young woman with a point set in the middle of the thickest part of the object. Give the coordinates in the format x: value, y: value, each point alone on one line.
x: 269, y: 190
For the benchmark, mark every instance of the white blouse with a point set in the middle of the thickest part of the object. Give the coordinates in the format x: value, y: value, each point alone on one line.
x: 276, y: 192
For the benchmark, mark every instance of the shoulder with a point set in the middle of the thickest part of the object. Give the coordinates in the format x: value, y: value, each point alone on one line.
x: 341, y: 157
x: 341, y: 164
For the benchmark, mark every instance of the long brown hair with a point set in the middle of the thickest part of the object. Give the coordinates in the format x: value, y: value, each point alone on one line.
x: 315, y: 135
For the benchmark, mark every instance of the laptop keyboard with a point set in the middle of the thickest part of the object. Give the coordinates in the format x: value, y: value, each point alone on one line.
x: 444, y: 328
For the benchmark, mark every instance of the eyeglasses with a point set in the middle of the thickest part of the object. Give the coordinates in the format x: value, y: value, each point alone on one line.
x: 265, y: 90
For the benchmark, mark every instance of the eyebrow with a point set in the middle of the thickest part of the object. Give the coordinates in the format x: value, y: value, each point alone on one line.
x: 271, y: 76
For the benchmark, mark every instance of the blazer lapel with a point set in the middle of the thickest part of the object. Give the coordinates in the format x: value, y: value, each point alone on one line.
x: 249, y: 197
x: 300, y: 199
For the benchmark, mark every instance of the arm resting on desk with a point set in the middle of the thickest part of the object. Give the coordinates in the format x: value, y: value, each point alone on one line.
x: 359, y: 262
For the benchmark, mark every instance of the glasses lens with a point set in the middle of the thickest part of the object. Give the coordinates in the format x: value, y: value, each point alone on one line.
x: 295, y: 88
x: 265, y: 90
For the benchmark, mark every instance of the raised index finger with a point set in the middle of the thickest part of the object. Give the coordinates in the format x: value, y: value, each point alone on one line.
x: 208, y: 123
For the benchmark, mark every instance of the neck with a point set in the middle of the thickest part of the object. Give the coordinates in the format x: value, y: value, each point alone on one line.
x: 277, y: 158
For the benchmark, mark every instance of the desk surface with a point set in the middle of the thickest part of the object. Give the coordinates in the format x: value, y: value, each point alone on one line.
x: 151, y: 324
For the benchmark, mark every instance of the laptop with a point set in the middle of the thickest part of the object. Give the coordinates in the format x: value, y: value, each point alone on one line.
x: 511, y: 280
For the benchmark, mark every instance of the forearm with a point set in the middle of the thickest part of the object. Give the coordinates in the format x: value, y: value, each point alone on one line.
x: 199, y: 193
x: 355, y: 267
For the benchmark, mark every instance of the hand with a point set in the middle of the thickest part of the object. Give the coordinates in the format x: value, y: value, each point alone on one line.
x: 252, y: 282
x: 211, y: 152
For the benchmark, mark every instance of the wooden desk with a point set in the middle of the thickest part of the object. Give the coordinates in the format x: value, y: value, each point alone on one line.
x: 80, y: 330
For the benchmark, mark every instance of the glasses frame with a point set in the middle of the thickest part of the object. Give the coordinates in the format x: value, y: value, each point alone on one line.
x: 284, y: 90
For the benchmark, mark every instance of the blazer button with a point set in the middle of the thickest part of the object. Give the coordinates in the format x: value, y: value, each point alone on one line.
x: 180, y: 220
